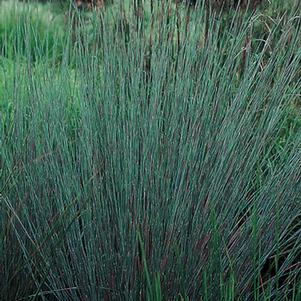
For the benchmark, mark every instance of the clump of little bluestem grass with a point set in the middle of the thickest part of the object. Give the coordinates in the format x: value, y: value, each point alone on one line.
x: 176, y: 182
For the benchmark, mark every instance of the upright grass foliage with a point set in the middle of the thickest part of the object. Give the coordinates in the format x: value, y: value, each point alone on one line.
x: 156, y: 166
x: 30, y: 30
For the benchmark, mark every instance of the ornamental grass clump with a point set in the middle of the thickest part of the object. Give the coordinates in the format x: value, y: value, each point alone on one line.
x: 164, y: 165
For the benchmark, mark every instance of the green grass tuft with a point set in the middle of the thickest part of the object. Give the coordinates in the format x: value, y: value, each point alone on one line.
x: 150, y: 159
